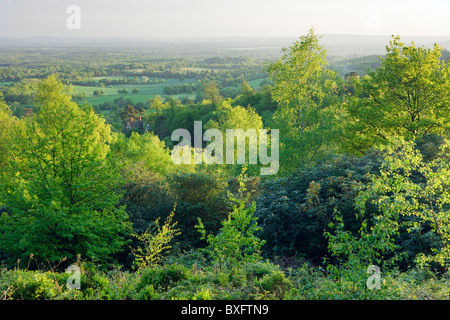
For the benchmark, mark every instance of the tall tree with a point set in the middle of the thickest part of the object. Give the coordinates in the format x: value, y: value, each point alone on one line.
x: 129, y: 113
x: 301, y: 81
x: 156, y: 104
x: 212, y: 93
x: 61, y: 187
x: 247, y: 91
x: 407, y: 96
x: 6, y: 126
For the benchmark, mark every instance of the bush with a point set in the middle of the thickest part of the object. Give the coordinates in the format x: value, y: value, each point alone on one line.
x: 260, y: 280
x: 276, y: 284
x: 162, y: 277
x: 295, y: 210
x: 34, y: 285
x: 236, y: 243
x: 198, y: 195
x: 155, y: 240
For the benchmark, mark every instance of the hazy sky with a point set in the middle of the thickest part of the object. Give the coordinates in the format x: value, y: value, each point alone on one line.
x: 206, y: 18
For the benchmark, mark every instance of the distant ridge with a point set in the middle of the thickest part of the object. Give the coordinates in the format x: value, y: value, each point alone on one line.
x: 336, y: 44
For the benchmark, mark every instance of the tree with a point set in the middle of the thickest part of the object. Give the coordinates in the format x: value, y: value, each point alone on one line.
x: 156, y: 104
x: 7, y: 121
x: 247, y: 92
x: 61, y: 187
x: 212, y: 93
x: 301, y: 81
x: 410, y: 221
x: 236, y: 242
x: 296, y: 209
x: 128, y: 113
x: 148, y: 151
x: 135, y: 91
x: 198, y: 195
x: 407, y: 96
x: 417, y: 191
x: 235, y: 118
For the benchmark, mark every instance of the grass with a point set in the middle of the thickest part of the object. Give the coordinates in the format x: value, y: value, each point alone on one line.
x: 146, y: 91
x: 198, y: 69
x: 256, y: 84
x: 192, y: 277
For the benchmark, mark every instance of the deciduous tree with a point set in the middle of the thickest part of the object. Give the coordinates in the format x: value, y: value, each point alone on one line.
x: 301, y: 81
x: 407, y: 96
x: 61, y: 187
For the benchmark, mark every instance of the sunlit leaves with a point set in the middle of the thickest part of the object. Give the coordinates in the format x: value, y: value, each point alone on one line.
x: 61, y: 186
x: 413, y: 194
x: 406, y: 96
x: 301, y: 82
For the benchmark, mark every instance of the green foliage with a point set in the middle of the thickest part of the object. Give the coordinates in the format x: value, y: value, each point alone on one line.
x: 145, y: 151
x: 154, y: 242
x: 198, y: 195
x: 295, y: 210
x: 406, y: 96
x: 236, y: 242
x: 68, y: 183
x: 258, y: 280
x: 412, y: 203
x: 276, y: 284
x: 416, y: 190
x: 212, y: 93
x: 7, y: 121
x: 301, y: 85
x: 160, y: 277
x: 236, y: 117
x: 60, y: 187
x: 34, y: 285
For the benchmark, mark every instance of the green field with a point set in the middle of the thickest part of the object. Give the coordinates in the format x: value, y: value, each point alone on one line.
x: 256, y: 84
x: 146, y: 91
x: 198, y: 69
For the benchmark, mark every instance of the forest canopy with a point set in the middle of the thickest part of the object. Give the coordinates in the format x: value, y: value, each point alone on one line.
x: 87, y: 178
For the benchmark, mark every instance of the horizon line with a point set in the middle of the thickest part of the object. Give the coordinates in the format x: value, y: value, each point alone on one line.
x: 219, y: 37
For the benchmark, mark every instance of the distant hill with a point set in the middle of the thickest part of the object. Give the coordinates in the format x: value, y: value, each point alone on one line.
x: 337, y: 45
x: 370, y: 45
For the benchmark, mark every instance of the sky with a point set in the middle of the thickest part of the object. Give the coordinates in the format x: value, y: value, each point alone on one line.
x: 221, y: 18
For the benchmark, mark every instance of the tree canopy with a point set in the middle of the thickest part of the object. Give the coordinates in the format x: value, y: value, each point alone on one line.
x: 406, y: 96
x: 60, y: 186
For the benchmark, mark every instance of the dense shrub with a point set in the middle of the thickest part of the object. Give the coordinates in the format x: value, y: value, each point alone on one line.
x: 198, y: 195
x: 32, y: 285
x: 260, y: 280
x: 294, y: 211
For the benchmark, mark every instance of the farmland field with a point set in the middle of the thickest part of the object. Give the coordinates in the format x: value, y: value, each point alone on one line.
x: 256, y: 84
x: 198, y: 69
x: 146, y: 91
